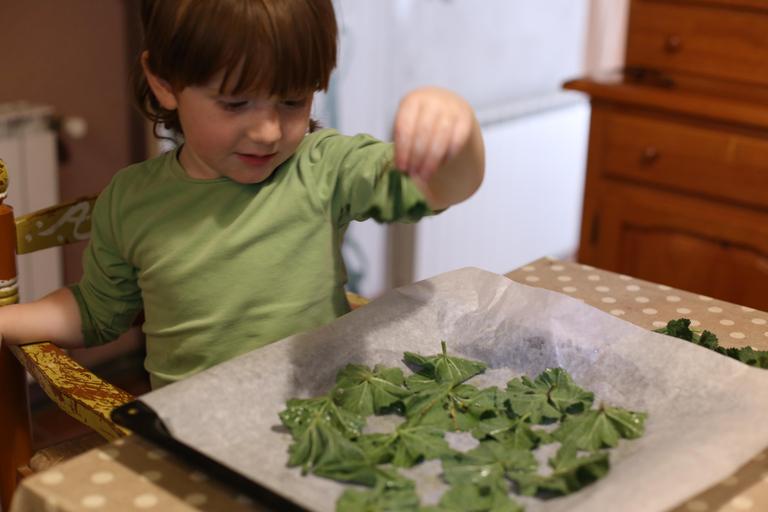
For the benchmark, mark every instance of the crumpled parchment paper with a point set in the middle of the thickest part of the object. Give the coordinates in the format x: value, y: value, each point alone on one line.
x: 707, y: 414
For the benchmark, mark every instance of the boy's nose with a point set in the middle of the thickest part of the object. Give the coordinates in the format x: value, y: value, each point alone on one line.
x: 264, y: 128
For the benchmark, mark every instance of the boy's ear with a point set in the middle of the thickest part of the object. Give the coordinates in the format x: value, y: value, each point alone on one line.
x: 160, y: 87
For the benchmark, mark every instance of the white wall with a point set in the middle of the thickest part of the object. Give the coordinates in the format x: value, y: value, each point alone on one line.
x: 496, y: 53
x: 528, y: 206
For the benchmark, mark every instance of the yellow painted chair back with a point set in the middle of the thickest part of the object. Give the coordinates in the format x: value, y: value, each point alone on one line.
x: 77, y: 391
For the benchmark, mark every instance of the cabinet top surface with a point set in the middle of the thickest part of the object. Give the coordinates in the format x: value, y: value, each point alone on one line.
x: 720, y: 100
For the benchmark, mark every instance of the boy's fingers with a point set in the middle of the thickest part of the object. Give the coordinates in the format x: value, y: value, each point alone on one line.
x: 459, y: 137
x: 440, y: 146
x: 404, y: 134
x: 423, y: 139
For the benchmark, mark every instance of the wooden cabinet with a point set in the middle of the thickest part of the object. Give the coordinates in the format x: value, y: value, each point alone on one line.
x: 677, y: 174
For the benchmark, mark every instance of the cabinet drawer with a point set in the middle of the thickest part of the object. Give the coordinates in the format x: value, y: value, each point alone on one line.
x: 685, y: 242
x: 704, y: 40
x: 753, y: 4
x: 684, y: 156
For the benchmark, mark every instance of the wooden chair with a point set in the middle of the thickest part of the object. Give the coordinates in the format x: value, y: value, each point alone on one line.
x: 77, y: 391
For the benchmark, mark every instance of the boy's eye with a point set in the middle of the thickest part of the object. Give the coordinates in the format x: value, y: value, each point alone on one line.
x: 233, y: 105
x: 298, y: 102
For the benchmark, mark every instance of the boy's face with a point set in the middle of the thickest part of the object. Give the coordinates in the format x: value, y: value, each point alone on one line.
x: 244, y: 137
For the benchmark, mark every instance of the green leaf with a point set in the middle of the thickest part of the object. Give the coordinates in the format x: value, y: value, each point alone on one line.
x: 360, y: 471
x: 317, y: 443
x: 571, y: 473
x: 678, y: 328
x: 707, y: 339
x: 600, y: 428
x: 451, y: 407
x: 564, y: 395
x: 379, y: 500
x: 524, y: 399
x: 549, y: 397
x: 747, y: 355
x: 752, y: 357
x: 364, y: 392
x: 471, y: 498
x: 319, y: 428
x: 512, y: 433
x: 486, y: 465
x: 407, y: 446
x: 443, y: 368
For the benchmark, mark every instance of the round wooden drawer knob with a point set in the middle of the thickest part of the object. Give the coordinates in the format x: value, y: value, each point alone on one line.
x: 673, y: 44
x: 649, y: 155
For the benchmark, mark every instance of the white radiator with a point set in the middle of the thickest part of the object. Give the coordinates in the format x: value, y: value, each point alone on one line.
x: 28, y: 148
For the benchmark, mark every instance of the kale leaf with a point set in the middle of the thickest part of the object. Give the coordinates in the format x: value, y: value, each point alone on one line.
x: 680, y: 328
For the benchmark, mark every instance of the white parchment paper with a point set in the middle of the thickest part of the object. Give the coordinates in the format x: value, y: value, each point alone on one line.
x: 707, y: 413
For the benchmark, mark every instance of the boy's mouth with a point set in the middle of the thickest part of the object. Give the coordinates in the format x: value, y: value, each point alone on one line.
x: 255, y: 160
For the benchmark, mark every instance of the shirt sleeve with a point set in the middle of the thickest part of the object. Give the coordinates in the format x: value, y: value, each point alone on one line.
x: 359, y: 178
x: 108, y: 294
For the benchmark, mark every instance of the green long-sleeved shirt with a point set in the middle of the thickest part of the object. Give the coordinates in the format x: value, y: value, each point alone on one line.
x: 221, y: 268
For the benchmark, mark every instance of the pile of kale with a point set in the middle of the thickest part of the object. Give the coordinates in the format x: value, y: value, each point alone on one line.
x: 681, y: 328
x: 509, y: 424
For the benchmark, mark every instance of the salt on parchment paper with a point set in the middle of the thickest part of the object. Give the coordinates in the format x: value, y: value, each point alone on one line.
x: 706, y: 412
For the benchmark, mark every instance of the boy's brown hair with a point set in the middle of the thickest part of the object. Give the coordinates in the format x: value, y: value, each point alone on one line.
x: 284, y: 47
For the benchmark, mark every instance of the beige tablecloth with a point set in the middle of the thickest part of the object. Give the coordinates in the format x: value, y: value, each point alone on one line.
x: 132, y: 475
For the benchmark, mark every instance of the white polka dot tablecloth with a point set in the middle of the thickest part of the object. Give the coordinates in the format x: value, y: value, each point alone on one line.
x: 648, y: 304
x: 131, y: 475
x: 127, y: 475
x: 652, y: 305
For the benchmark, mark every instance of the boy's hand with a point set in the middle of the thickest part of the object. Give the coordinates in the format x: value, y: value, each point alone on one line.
x: 438, y: 142
x: 432, y: 126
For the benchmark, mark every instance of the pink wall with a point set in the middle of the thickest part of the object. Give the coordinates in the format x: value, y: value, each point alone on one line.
x: 73, y: 55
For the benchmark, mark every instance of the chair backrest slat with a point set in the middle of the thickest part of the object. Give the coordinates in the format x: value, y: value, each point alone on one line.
x: 58, y: 225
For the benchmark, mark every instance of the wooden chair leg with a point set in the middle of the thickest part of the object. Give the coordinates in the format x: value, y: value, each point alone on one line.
x: 15, y: 432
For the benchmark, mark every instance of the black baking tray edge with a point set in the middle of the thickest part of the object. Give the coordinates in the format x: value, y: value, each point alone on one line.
x: 144, y: 421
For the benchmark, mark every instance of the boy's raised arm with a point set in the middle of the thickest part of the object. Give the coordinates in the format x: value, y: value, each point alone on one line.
x: 439, y: 143
x: 54, y: 318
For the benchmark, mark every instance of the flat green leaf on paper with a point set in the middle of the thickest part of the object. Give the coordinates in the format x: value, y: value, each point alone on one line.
x: 600, y: 428
x: 360, y: 470
x: 524, y: 399
x: 444, y: 368
x: 319, y: 428
x: 407, y: 446
x: 368, y: 392
x: 511, y: 432
x: 451, y: 407
x: 571, y: 473
x: 384, y: 499
x: 549, y: 397
x: 471, y: 498
x: 487, y: 465
x: 318, y: 442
